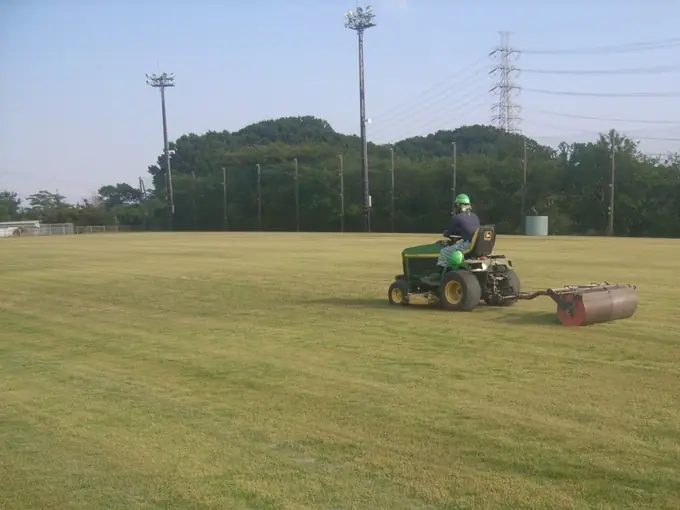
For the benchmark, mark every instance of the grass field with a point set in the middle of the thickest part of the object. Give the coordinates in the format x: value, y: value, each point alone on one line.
x: 234, y: 371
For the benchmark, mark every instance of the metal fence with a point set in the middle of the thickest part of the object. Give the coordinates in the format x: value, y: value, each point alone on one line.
x: 43, y: 229
x: 102, y: 229
x: 57, y: 229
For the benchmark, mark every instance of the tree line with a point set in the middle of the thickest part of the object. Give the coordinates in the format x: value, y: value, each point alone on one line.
x: 570, y: 184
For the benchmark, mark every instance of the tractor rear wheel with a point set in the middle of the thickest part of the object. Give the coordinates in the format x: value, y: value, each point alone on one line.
x: 398, y: 293
x: 460, y: 290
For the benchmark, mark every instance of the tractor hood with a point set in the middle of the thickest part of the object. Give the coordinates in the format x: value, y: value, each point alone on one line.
x: 422, y: 251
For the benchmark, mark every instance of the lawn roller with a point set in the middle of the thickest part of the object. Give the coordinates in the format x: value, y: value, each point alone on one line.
x: 476, y: 275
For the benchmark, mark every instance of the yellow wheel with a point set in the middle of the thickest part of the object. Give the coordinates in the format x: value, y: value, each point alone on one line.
x: 398, y: 293
x: 454, y: 292
x: 460, y: 290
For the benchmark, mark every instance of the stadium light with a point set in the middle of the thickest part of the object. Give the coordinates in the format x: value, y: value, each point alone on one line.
x: 359, y: 21
x: 161, y: 82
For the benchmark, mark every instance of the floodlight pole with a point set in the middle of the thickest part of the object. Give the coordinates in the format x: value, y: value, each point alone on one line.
x: 259, y: 196
x: 454, y: 177
x: 224, y: 197
x: 392, y: 187
x: 342, y: 193
x: 359, y: 21
x: 193, y: 197
x: 297, y: 195
x: 610, y: 227
x: 524, y: 186
x: 161, y: 82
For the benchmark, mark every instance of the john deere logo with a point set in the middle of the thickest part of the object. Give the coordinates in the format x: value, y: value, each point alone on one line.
x: 487, y: 236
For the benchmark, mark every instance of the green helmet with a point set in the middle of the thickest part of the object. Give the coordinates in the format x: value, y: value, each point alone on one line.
x: 463, y: 199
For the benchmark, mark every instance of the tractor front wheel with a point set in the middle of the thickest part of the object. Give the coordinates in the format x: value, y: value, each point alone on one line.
x: 460, y: 290
x: 398, y: 292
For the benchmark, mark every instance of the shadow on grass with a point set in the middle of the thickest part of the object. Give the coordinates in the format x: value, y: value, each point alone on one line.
x: 528, y: 318
x: 513, y: 315
x: 380, y: 304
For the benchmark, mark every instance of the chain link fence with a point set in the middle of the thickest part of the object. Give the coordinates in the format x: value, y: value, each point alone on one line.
x: 56, y: 229
x: 101, y: 229
x: 36, y: 229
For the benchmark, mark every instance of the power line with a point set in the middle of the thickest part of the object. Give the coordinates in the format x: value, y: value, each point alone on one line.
x: 435, y: 109
x: 478, y: 66
x: 657, y: 138
x: 621, y: 48
x: 400, y: 115
x: 436, y: 113
x: 506, y: 111
x: 579, y: 132
x: 427, y: 125
x: 454, y: 91
x: 630, y: 70
x: 608, y: 119
x: 604, y: 94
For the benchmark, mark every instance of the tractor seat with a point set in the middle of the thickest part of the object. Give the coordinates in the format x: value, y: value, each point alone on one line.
x: 483, y: 242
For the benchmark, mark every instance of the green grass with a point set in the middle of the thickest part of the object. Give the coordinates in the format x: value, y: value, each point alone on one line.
x: 238, y: 371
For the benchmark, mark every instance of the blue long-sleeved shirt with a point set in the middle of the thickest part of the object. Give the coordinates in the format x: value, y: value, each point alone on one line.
x: 464, y: 224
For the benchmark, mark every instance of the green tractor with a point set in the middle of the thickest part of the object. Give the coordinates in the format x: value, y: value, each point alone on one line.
x: 476, y: 275
x: 470, y: 277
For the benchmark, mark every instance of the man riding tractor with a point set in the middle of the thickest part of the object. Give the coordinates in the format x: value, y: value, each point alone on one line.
x: 464, y: 224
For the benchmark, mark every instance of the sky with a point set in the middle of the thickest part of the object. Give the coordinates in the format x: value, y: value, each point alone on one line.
x: 76, y: 113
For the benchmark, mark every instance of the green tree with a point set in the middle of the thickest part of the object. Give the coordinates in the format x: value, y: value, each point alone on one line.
x: 570, y: 184
x: 119, y: 194
x: 49, y: 207
x: 10, y: 206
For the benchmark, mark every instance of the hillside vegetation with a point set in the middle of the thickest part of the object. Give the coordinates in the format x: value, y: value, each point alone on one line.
x: 570, y: 184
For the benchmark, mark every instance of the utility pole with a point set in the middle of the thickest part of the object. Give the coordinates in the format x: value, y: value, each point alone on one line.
x: 297, y: 196
x: 524, y: 183
x: 454, y: 177
x: 193, y: 196
x: 505, y: 110
x: 392, y: 197
x: 359, y: 21
x: 259, y: 197
x: 224, y: 197
x: 611, y: 186
x: 342, y: 193
x: 162, y: 82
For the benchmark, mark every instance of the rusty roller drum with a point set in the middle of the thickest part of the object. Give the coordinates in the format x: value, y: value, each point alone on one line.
x: 592, y: 304
x: 580, y: 305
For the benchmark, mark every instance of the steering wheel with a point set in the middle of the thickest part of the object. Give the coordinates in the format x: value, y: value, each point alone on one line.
x: 452, y: 237
x: 449, y: 240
